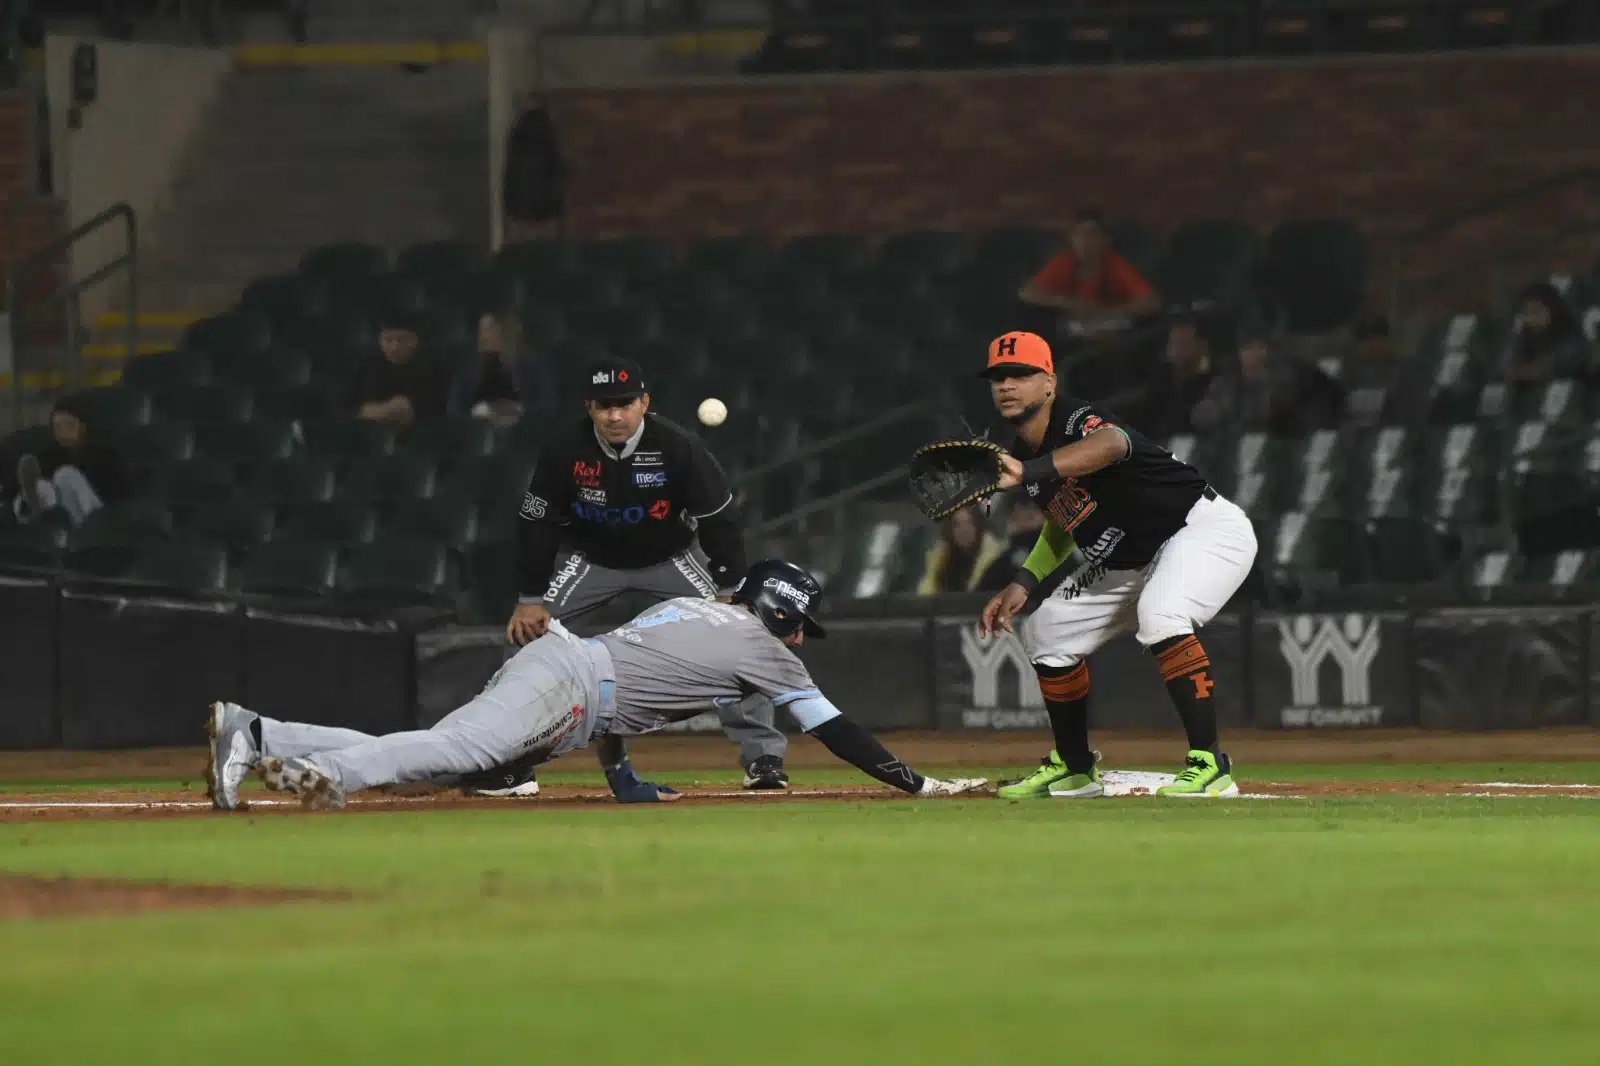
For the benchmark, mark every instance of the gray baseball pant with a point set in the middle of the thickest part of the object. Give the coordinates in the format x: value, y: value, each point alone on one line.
x: 546, y: 699
x: 578, y: 586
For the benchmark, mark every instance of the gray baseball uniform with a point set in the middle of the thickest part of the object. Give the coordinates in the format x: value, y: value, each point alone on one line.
x: 578, y: 586
x: 672, y: 662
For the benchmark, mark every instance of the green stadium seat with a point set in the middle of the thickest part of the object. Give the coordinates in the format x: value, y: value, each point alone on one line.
x: 1137, y: 244
x: 827, y: 254
x: 279, y: 368
x: 633, y: 257
x: 1562, y: 570
x: 932, y: 253
x: 1547, y: 490
x: 165, y: 370
x: 452, y: 438
x: 112, y: 408
x: 305, y: 403
x: 247, y: 444
x: 1456, y: 482
x: 1315, y: 273
x: 29, y: 440
x: 1210, y: 259
x: 1408, y: 551
x: 345, y: 261
x: 204, y: 405
x: 159, y: 444
x: 1316, y: 483
x: 452, y: 521
x: 229, y: 336
x: 1492, y: 571
x: 1317, y: 553
x: 37, y: 545
x: 392, y: 477
x: 240, y: 523
x: 289, y: 566
x: 491, y: 579
x: 1559, y: 403
x: 348, y: 438
x: 186, y: 564
x: 194, y: 483
x: 401, y: 568
x: 340, y: 521
x: 293, y: 480
x: 535, y: 258
x: 451, y: 261
x: 110, y: 539
x: 730, y: 257
x: 1384, y: 482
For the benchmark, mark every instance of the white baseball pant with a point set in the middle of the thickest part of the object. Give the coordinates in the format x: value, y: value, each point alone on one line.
x: 1193, y: 575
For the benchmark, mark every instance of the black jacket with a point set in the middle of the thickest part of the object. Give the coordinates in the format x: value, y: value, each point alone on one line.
x: 100, y: 463
x: 628, y: 511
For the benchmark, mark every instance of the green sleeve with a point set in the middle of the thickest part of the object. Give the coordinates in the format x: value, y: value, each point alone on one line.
x: 1054, y: 547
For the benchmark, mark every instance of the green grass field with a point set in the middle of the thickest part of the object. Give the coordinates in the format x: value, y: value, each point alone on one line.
x: 1404, y: 930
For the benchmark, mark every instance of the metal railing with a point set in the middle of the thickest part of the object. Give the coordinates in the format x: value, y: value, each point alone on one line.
x: 1408, y: 243
x: 40, y: 262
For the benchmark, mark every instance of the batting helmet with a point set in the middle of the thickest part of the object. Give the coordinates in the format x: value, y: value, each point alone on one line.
x: 783, y: 596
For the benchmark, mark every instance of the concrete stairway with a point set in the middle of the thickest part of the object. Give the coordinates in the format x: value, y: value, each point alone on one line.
x: 290, y: 158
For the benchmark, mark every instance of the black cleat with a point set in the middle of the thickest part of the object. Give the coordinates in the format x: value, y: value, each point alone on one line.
x: 765, y: 773
x: 512, y: 781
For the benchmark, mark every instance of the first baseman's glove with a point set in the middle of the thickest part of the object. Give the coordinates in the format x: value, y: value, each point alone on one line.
x: 626, y: 786
x: 947, y: 475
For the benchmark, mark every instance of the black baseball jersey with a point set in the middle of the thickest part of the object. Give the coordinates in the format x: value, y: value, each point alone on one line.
x: 1121, y: 515
x: 630, y: 508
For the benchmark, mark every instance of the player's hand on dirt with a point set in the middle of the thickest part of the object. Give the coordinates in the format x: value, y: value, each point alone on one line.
x: 998, y: 612
x: 1010, y: 472
x: 528, y: 623
x: 956, y: 786
x: 627, y: 788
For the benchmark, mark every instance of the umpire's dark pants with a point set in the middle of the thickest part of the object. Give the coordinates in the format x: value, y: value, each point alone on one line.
x: 578, y: 586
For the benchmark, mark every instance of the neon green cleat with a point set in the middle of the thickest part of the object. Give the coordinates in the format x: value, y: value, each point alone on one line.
x: 1204, y: 776
x: 1079, y: 786
x: 1037, y: 784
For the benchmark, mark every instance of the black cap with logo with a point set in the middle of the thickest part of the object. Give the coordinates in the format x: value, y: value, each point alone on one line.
x: 614, y: 379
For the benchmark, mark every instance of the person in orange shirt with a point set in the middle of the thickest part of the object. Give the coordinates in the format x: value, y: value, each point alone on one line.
x: 1093, y: 287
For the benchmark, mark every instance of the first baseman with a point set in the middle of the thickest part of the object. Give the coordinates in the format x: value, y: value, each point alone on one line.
x: 627, y: 501
x: 560, y: 692
x: 1161, y: 552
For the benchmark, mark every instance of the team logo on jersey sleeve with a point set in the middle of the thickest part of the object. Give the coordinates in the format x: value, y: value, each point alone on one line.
x: 534, y: 506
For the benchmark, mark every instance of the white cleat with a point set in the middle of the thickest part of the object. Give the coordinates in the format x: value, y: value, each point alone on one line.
x: 526, y: 790
x: 233, y: 753
x: 315, y: 788
x: 956, y: 786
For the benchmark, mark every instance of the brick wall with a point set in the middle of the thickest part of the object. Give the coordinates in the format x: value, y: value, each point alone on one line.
x: 1390, y: 142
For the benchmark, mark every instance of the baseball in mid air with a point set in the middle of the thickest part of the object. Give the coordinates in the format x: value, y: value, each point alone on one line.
x: 713, y: 412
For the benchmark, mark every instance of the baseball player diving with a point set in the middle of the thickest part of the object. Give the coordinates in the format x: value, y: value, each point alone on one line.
x: 560, y: 693
x: 1161, y: 553
x: 624, y: 500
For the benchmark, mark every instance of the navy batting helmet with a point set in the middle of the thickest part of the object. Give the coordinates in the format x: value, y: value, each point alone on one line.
x: 784, y: 597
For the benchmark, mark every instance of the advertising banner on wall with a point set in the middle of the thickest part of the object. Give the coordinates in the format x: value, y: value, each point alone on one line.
x: 989, y: 683
x: 1338, y: 670
x: 28, y: 662
x: 1482, y: 668
x: 325, y: 670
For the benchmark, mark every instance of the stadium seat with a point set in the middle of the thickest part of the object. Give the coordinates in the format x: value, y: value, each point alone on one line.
x: 734, y: 258
x: 398, y: 567
x: 1385, y: 481
x: 448, y: 261
x: 1492, y: 571
x: 289, y: 566
x: 186, y: 564
x: 452, y: 438
x: 340, y: 521
x: 935, y: 253
x: 491, y: 579
x: 204, y: 405
x: 165, y: 370
x: 1207, y: 260
x: 344, y: 261
x: 1310, y: 553
x: 36, y: 545
x: 112, y: 408
x: 110, y: 539
x: 229, y: 336
x: 1487, y: 24
x: 1561, y: 570
x: 391, y: 477
x: 239, y: 523
x: 631, y: 257
x: 1409, y: 551
x: 194, y: 483
x: 278, y: 368
x: 306, y: 403
x: 294, y: 480
x: 1314, y: 273
x: 452, y: 521
x: 348, y: 438
x: 247, y: 444
x: 1378, y: 26
x: 159, y: 444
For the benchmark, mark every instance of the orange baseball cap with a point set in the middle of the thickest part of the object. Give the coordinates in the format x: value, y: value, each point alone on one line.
x: 1019, y: 351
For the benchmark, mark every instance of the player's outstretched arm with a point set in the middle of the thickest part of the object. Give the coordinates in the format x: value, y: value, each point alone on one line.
x: 858, y: 747
x: 1098, y: 450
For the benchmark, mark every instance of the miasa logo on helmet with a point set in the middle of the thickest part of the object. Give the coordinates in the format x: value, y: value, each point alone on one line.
x: 788, y: 591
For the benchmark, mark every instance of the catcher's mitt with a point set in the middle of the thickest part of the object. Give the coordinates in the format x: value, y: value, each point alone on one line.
x: 947, y: 475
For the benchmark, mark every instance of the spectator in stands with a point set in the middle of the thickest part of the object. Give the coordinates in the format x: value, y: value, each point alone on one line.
x: 1023, y: 524
x: 399, y: 384
x: 1548, y: 340
x: 1275, y: 393
x: 1182, y: 382
x: 962, y: 556
x: 75, y: 473
x: 1087, y: 285
x: 509, y: 377
x: 1381, y: 382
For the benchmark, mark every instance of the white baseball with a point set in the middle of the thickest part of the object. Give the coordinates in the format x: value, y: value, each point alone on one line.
x: 713, y: 412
